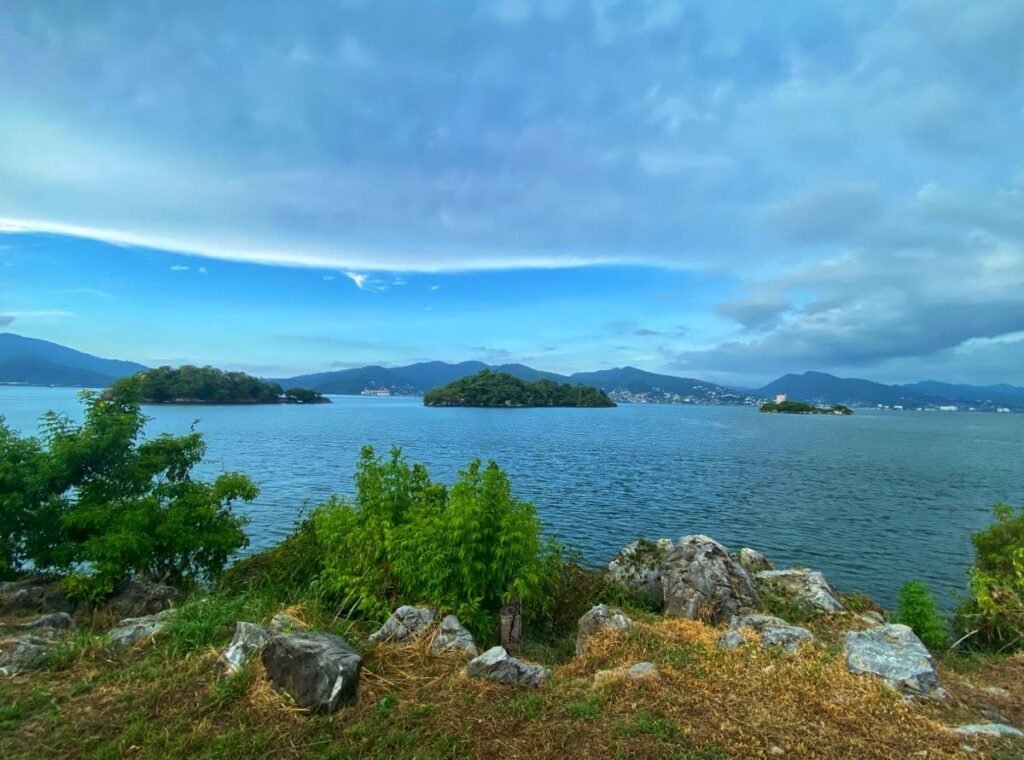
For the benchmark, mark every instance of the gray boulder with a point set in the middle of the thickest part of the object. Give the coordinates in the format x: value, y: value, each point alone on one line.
x: 892, y: 652
x: 988, y: 729
x: 248, y: 642
x: 599, y: 618
x: 638, y: 567
x: 138, y: 598
x: 775, y: 632
x: 22, y: 653
x: 701, y: 580
x: 405, y: 623
x: 753, y: 561
x: 452, y: 636
x: 639, y: 672
x: 731, y: 639
x: 319, y: 671
x: 131, y: 631
x: 54, y: 621
x: 37, y: 594
x: 499, y: 666
x: 807, y: 587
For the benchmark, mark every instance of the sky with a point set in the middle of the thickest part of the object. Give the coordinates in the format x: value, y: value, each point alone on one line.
x: 726, y: 190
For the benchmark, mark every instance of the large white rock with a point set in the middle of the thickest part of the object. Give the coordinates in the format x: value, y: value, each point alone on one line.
x: 499, y: 666
x: 452, y: 636
x: 775, y: 632
x: 895, y: 653
x: 638, y: 567
x: 807, y: 587
x: 599, y: 618
x: 753, y: 561
x: 405, y: 623
x: 248, y: 642
x: 131, y: 631
x: 987, y: 729
x: 701, y: 579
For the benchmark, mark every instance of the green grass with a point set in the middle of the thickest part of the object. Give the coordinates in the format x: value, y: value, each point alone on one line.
x: 587, y: 709
x: 645, y: 724
x: 528, y: 707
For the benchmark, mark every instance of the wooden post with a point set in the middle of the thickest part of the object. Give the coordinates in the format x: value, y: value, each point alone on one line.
x: 512, y: 628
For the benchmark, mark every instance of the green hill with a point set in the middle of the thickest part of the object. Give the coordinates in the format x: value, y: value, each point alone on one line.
x: 501, y: 389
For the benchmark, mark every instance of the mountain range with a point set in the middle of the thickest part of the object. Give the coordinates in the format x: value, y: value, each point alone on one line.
x: 38, y: 362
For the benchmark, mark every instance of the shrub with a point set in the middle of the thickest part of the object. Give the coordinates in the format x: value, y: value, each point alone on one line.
x: 97, y: 502
x: 992, y: 616
x: 469, y: 549
x: 916, y: 608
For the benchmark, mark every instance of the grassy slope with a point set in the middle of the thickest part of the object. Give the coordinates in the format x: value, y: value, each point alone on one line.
x: 171, y: 699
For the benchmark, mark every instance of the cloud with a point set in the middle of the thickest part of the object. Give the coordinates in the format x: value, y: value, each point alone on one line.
x: 6, y: 319
x: 756, y: 312
x: 360, y: 280
x: 180, y: 268
x: 644, y: 332
x: 47, y: 315
x: 201, y: 270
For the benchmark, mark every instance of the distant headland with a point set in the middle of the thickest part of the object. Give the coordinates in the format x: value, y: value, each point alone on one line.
x: 208, y: 385
x: 799, y: 407
x: 503, y: 390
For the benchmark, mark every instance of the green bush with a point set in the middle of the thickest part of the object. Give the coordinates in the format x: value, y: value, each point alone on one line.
x: 916, y: 608
x: 97, y: 502
x: 468, y: 549
x: 992, y: 615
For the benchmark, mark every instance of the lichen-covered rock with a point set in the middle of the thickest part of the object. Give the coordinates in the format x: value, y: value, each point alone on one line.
x: 54, y: 621
x: 731, y: 639
x: 807, y: 587
x: 499, y: 666
x: 701, y: 580
x: 319, y: 671
x: 131, y: 631
x: 753, y: 561
x: 895, y: 653
x: 248, y: 641
x: 988, y: 729
x: 642, y: 670
x: 22, y: 652
x: 282, y: 622
x: 138, y: 598
x: 406, y: 622
x: 452, y: 636
x: 638, y: 567
x: 36, y: 593
x: 599, y: 618
x: 775, y: 632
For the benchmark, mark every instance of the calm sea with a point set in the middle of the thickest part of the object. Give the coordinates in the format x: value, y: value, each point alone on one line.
x: 871, y: 500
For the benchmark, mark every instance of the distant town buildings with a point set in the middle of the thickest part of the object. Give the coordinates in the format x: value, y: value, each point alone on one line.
x: 780, y: 398
x: 1003, y: 410
x: 948, y: 408
x: 376, y: 392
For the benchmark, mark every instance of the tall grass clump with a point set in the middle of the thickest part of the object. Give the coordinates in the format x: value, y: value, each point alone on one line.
x: 916, y: 608
x: 468, y: 548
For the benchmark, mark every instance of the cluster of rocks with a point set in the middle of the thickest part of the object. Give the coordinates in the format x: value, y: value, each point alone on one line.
x: 774, y: 633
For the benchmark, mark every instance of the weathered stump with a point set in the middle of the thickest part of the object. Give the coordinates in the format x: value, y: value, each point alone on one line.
x: 512, y: 628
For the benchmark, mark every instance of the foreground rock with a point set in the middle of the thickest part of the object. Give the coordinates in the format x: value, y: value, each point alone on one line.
x: 248, y: 642
x: 988, y: 729
x: 22, y: 653
x: 405, y: 623
x: 895, y: 653
x: 701, y: 580
x: 138, y: 598
x: 37, y: 594
x: 638, y: 567
x: 54, y: 621
x: 775, y: 632
x: 452, y: 636
x: 806, y: 587
x: 753, y: 561
x: 132, y: 631
x: 599, y: 618
x: 639, y: 672
x: 319, y: 671
x: 499, y: 666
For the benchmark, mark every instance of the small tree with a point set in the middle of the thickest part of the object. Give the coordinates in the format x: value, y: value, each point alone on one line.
x: 98, y: 503
x: 992, y: 615
x: 916, y: 608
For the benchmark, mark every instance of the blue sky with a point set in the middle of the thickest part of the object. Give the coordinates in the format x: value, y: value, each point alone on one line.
x: 727, y: 190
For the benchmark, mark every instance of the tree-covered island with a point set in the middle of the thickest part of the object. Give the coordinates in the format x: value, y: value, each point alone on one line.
x: 500, y: 389
x: 208, y: 385
x: 799, y: 407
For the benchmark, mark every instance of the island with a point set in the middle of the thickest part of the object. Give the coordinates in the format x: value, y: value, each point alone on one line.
x: 799, y: 407
x: 502, y: 390
x: 208, y: 385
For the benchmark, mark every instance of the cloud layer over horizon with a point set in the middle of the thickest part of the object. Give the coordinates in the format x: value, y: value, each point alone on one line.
x: 844, y: 181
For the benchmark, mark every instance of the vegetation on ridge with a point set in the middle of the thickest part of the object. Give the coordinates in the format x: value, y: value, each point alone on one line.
x: 799, y: 407
x: 207, y: 385
x: 501, y: 389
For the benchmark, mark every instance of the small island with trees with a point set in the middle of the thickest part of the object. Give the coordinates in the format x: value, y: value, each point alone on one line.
x: 208, y: 385
x: 799, y: 407
x: 502, y: 390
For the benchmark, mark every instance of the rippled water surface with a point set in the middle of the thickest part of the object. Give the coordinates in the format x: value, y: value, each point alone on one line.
x: 871, y: 499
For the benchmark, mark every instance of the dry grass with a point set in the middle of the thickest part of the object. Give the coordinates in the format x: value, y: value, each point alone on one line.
x: 706, y: 703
